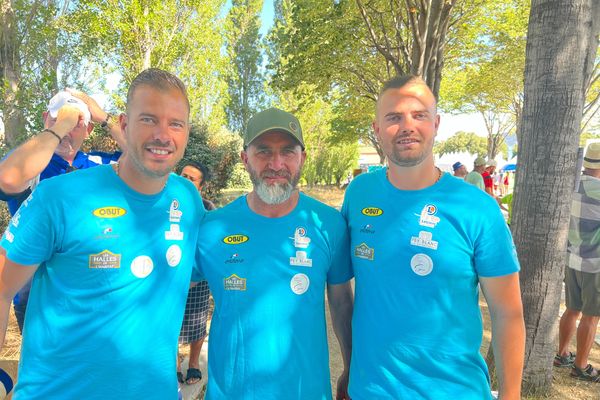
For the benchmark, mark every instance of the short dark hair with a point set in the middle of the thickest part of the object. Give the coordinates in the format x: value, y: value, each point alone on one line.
x: 199, y: 166
x: 158, y: 79
x: 400, y: 81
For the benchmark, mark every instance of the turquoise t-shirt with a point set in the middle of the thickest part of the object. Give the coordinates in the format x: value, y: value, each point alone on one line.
x: 268, y: 338
x: 417, y: 256
x: 108, y: 297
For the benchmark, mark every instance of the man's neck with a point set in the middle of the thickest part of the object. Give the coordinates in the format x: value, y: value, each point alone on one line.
x: 413, y: 178
x: 272, y: 210
x: 138, y: 181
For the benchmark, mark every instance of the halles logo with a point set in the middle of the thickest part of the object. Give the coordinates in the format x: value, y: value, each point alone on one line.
x: 372, y: 211
x: 109, y: 212
x: 364, y: 251
x: 235, y: 239
x: 234, y: 282
x: 105, y: 260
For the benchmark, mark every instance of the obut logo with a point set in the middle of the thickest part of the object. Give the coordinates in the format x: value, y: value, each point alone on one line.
x: 109, y: 212
x: 235, y: 239
x: 372, y: 211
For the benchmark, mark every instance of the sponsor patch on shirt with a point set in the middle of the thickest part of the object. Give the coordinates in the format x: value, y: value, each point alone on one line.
x: 14, y: 221
x: 174, y: 212
x: 421, y: 264
x: 142, y: 266
x: 237, y: 238
x: 368, y: 228
x: 109, y: 212
x: 364, y: 251
x: 300, y: 260
x: 234, y: 259
x: 234, y: 282
x: 174, y: 233
x: 427, y: 217
x: 424, y: 240
x: 173, y: 255
x: 372, y: 211
x: 105, y: 260
x: 301, y: 241
x: 299, y: 284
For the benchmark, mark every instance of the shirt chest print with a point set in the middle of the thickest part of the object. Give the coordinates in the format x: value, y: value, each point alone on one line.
x: 175, y: 215
x: 301, y: 241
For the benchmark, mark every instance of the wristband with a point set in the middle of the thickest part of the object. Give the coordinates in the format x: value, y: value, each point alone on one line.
x: 104, y: 124
x: 54, y: 133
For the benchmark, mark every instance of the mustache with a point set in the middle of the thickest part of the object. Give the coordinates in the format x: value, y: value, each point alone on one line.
x: 276, y: 174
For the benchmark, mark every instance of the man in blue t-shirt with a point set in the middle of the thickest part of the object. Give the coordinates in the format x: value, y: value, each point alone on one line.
x: 43, y: 157
x: 268, y: 257
x: 421, y: 242
x: 112, y: 268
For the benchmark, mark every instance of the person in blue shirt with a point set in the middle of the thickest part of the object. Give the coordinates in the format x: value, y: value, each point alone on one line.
x: 269, y: 257
x: 422, y: 242
x: 43, y: 157
x: 111, y: 269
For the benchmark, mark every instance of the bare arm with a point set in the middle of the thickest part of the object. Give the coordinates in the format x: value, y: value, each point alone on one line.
x: 12, y: 278
x: 99, y: 116
x: 29, y: 160
x: 503, y: 296
x: 341, y: 304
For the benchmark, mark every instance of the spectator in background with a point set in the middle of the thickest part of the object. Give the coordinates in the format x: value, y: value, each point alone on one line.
x: 474, y: 177
x: 582, y: 275
x: 460, y: 171
x: 47, y: 155
x: 488, y: 180
x: 195, y: 318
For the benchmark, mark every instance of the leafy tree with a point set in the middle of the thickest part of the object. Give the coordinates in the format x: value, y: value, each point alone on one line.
x: 347, y: 49
x: 462, y: 142
x: 561, y: 43
x: 244, y: 79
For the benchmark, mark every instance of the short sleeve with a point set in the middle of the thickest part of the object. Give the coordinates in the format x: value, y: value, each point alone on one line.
x: 31, y: 235
x: 495, y: 253
x: 340, y: 270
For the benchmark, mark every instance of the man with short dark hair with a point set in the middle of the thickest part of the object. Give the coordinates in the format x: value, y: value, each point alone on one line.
x: 421, y: 242
x: 112, y: 267
x: 582, y: 275
x: 268, y: 257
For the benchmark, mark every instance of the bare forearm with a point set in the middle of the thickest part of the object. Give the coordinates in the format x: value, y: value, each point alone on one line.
x: 26, y: 162
x: 4, y: 311
x: 341, y: 306
x: 508, y: 341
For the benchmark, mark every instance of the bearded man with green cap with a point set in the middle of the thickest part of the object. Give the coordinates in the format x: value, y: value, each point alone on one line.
x: 268, y: 257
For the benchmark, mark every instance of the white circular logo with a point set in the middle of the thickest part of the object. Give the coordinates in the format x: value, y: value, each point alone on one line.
x: 299, y: 283
x: 421, y: 264
x: 173, y: 255
x: 142, y: 266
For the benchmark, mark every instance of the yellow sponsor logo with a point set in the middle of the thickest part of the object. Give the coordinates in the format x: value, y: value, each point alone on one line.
x: 109, y: 212
x: 372, y: 211
x: 235, y: 239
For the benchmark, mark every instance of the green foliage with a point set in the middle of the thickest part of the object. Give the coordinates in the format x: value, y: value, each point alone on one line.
x: 239, y: 178
x: 467, y: 142
x: 244, y: 79
x: 218, y: 151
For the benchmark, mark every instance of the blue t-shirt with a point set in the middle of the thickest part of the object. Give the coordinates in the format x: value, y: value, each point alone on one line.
x: 108, y: 297
x: 417, y: 256
x: 59, y: 166
x: 268, y: 338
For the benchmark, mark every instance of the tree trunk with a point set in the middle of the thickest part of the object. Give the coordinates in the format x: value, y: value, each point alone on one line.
x: 559, y: 43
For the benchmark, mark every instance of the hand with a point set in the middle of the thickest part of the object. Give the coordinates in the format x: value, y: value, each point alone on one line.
x: 98, y: 114
x: 67, y: 119
x: 342, y: 387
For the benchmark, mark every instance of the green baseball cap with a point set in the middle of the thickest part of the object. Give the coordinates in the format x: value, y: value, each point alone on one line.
x: 273, y: 120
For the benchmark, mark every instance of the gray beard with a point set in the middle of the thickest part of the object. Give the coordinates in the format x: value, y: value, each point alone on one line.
x: 273, y: 194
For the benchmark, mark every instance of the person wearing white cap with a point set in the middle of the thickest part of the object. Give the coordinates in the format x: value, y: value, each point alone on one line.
x: 582, y: 275
x: 474, y: 177
x: 54, y: 151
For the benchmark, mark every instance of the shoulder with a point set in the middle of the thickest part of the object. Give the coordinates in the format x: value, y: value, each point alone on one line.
x: 320, y: 214
x: 233, y: 210
x: 461, y: 192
